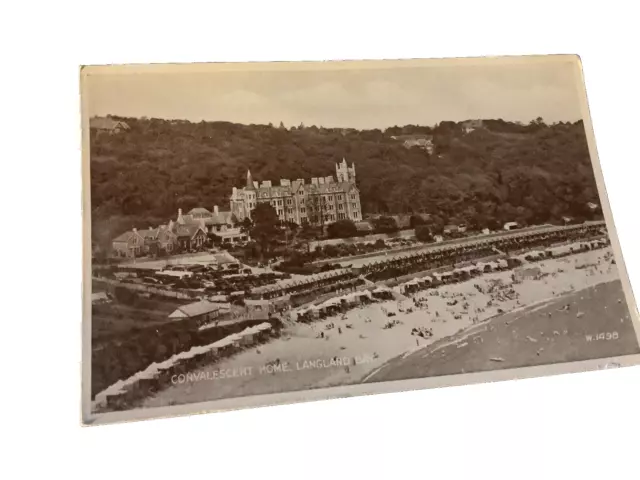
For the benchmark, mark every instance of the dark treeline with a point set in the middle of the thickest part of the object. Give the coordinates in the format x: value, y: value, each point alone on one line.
x: 502, y: 172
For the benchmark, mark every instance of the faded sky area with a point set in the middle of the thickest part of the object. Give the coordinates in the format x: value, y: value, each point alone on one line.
x: 340, y: 94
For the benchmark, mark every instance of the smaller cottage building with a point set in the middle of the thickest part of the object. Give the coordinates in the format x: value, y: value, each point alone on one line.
x: 191, y: 236
x: 107, y: 125
x: 199, y: 313
x: 130, y: 244
x: 511, y: 225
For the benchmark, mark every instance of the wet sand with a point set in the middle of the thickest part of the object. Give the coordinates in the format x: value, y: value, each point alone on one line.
x: 301, y: 360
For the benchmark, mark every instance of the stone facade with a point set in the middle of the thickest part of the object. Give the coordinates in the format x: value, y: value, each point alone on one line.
x: 322, y: 201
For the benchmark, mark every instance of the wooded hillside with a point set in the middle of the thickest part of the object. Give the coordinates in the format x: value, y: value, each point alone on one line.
x: 503, y: 172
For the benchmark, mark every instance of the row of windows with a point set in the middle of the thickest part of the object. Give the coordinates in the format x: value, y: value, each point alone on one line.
x: 325, y: 198
x: 327, y: 216
x: 330, y: 207
x: 328, y: 210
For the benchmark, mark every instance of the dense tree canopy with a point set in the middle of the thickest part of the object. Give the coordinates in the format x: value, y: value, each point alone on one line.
x: 342, y: 229
x: 503, y: 172
x: 265, y: 228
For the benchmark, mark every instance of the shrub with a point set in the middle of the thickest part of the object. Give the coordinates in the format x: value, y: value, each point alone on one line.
x: 423, y: 233
x: 342, y: 229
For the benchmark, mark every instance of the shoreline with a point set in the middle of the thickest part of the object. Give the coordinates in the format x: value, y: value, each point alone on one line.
x: 360, y: 335
x: 587, y: 324
x: 481, y: 327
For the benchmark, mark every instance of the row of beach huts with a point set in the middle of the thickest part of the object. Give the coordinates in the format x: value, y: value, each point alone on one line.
x: 159, y: 375
x: 466, y: 272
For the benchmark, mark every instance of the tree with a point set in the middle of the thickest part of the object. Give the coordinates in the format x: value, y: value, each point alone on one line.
x: 478, y: 221
x: 437, y: 224
x: 416, y: 220
x: 245, y: 225
x: 423, y: 233
x: 265, y: 228
x: 142, y: 176
x: 317, y: 207
x: 384, y: 224
x: 342, y: 229
x: 291, y: 226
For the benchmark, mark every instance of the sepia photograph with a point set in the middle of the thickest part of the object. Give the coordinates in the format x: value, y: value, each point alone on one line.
x: 260, y: 233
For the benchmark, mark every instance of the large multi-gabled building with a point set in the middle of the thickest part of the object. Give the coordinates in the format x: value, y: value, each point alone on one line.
x: 322, y: 201
x: 221, y: 224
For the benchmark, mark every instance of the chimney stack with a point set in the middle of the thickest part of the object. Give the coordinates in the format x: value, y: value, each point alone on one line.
x: 215, y: 209
x: 135, y: 230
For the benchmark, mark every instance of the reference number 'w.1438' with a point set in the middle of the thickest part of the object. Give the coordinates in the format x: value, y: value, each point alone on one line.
x: 603, y: 336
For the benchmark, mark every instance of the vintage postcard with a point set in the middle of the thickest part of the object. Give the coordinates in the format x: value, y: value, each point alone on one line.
x: 267, y: 233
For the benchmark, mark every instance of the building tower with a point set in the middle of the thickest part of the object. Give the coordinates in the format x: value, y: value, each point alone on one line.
x: 344, y: 173
x: 249, y: 180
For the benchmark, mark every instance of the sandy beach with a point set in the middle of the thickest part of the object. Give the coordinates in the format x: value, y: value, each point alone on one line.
x: 346, y: 348
x: 593, y: 323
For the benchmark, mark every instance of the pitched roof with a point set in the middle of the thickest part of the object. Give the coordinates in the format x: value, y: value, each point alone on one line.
x: 196, y: 215
x: 106, y: 123
x: 220, y: 218
x: 164, y: 234
x: 328, y: 188
x: 150, y: 233
x: 185, y: 219
x: 195, y: 309
x: 199, y: 211
x: 188, y: 230
x: 125, y: 237
x: 274, y: 190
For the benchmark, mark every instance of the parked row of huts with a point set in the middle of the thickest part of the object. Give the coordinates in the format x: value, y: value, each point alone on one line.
x: 341, y: 304
x: 436, y: 257
x: 299, y: 285
x: 464, y: 273
x: 454, y: 275
x: 159, y: 375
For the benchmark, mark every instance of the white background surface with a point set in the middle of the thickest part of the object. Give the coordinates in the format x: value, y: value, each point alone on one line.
x: 573, y: 426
